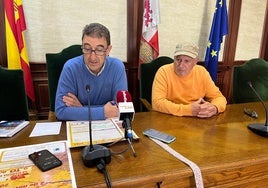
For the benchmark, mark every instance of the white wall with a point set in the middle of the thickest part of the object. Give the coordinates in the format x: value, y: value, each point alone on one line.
x: 250, y: 29
x: 185, y: 21
x: 53, y: 25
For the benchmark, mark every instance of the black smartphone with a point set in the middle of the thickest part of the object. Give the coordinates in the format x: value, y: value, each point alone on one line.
x: 45, y: 160
x: 159, y: 135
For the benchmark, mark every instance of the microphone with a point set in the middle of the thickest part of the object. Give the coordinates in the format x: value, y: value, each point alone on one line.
x: 126, y: 111
x: 259, y: 128
x: 93, y: 155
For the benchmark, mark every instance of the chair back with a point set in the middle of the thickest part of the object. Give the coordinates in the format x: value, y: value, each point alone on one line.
x: 147, y: 73
x: 13, y: 98
x: 254, y: 71
x: 55, y: 63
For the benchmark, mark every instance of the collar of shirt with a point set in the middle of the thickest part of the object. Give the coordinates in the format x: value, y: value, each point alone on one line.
x: 98, y: 72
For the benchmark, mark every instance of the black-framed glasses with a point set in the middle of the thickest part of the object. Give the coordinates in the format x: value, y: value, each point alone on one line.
x: 100, y: 51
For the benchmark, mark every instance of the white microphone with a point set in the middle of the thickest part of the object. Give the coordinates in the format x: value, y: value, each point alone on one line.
x: 126, y: 111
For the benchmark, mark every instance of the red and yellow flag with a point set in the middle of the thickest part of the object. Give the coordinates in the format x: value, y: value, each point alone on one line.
x: 17, y: 57
x: 149, y: 47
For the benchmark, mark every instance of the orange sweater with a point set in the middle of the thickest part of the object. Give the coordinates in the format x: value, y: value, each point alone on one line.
x: 173, y: 94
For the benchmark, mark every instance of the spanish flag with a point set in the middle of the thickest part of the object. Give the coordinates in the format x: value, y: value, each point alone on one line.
x: 17, y: 57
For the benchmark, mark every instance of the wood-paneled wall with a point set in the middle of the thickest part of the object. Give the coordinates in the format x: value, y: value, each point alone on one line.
x: 40, y: 82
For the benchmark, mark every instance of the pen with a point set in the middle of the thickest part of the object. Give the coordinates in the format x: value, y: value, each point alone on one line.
x: 113, y: 102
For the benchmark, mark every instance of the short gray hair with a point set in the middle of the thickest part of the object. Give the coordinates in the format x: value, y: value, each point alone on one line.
x: 97, y: 30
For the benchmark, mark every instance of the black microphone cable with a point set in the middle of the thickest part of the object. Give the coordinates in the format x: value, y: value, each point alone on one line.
x: 129, y: 146
x: 129, y: 142
x: 118, y: 152
x: 102, y: 168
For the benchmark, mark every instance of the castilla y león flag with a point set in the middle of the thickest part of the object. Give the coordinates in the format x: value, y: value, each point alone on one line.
x: 17, y: 57
x: 149, y: 48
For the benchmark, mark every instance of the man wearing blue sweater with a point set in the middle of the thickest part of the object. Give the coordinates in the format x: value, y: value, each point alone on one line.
x: 92, y: 74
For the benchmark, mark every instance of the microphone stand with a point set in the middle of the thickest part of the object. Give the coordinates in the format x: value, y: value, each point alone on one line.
x: 93, y: 155
x: 259, y: 128
x: 128, y: 134
x: 96, y: 155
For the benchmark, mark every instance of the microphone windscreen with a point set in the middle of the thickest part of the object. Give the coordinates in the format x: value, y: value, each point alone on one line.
x: 123, y: 96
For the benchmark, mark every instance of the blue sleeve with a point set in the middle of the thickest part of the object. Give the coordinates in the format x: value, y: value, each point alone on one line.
x: 121, y: 81
x: 81, y: 113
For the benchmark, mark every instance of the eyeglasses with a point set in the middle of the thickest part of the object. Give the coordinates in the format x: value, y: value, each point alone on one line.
x: 100, y: 51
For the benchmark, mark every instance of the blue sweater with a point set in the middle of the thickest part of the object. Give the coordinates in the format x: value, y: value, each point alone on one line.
x: 103, y: 88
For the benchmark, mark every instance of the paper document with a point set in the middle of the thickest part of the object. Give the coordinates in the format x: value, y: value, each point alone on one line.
x: 46, y: 128
x: 17, y: 170
x: 103, y: 131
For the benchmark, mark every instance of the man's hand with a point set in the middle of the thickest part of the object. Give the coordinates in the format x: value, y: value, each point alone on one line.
x: 203, y: 109
x: 196, y: 106
x: 71, y: 100
x: 110, y: 110
x: 207, y: 110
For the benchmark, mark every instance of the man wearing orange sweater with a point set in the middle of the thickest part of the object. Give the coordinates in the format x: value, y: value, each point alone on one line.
x: 184, y: 88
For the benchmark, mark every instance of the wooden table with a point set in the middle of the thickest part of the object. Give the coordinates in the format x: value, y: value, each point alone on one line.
x: 227, y: 152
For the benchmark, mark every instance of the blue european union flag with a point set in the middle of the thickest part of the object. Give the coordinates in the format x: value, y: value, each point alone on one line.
x: 218, y: 29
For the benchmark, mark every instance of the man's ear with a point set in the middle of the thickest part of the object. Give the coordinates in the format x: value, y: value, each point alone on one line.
x: 196, y: 60
x: 108, y: 50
